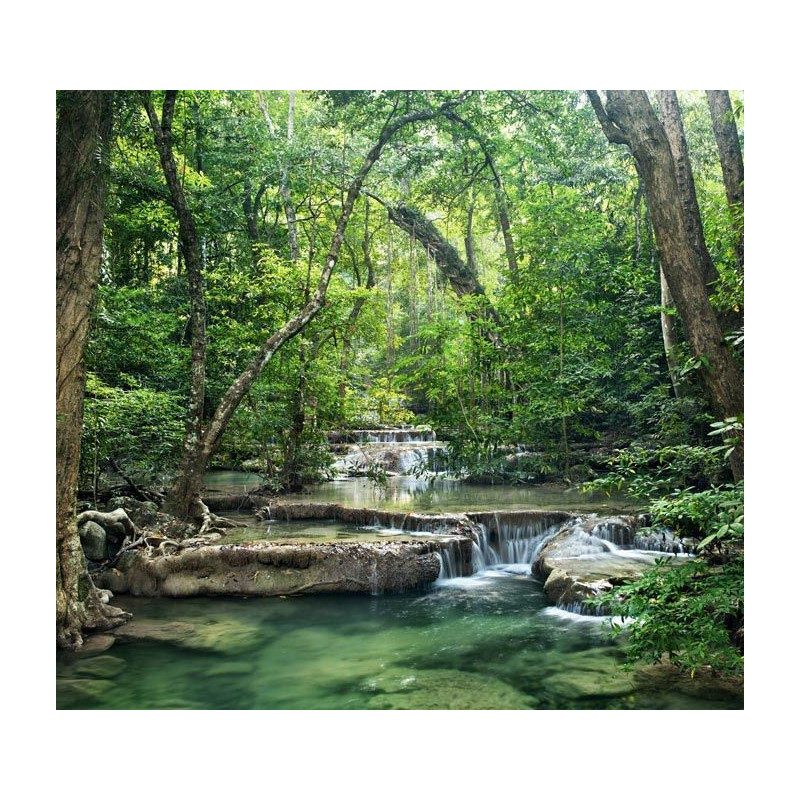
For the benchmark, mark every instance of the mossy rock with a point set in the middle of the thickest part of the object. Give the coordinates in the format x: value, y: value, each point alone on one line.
x: 223, y: 636
x: 99, y: 667
x: 580, y: 685
x: 80, y: 692
x: 94, y: 645
x: 441, y: 689
x: 231, y: 669
x: 704, y: 685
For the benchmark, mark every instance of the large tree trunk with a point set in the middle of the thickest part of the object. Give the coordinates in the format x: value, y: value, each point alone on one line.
x: 730, y: 156
x: 668, y: 334
x: 628, y: 118
x: 201, y: 443
x: 83, y: 131
x: 673, y: 125
x: 183, y: 499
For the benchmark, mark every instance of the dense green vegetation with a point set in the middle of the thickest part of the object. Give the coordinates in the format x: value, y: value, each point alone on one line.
x: 541, y: 332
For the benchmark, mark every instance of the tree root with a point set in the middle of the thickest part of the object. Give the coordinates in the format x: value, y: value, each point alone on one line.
x: 209, y: 522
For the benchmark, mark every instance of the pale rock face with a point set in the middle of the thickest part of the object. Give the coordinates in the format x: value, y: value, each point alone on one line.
x: 589, y: 556
x: 273, y: 568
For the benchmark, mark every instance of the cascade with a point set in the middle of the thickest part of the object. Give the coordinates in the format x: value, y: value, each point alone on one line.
x: 450, y: 562
x: 396, y: 451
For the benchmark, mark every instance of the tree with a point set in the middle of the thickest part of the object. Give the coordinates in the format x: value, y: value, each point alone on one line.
x: 730, y: 156
x: 673, y: 126
x: 628, y: 118
x: 202, y: 440
x: 82, y: 139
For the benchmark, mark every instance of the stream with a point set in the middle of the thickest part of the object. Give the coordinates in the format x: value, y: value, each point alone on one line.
x: 489, y: 640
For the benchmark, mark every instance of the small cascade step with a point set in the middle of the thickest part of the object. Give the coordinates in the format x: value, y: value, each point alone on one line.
x: 395, y: 451
x: 513, y: 537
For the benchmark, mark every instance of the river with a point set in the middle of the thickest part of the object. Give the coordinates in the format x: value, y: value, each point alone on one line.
x: 487, y: 641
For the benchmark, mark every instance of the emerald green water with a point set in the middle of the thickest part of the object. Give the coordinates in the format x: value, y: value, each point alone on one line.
x: 481, y: 642
x: 485, y: 641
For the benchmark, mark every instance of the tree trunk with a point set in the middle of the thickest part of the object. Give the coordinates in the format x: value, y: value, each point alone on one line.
x: 389, y: 295
x: 82, y: 138
x: 462, y: 277
x: 628, y: 118
x: 355, y: 312
x: 668, y: 334
x: 730, y: 156
x: 469, y: 240
x: 183, y: 499
x: 499, y: 192
x: 673, y: 125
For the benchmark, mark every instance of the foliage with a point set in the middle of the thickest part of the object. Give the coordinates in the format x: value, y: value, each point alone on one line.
x: 565, y: 350
x: 691, y: 611
x: 714, y: 517
x: 139, y: 429
x: 646, y: 472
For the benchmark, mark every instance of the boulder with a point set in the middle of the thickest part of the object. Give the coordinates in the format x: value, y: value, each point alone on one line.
x: 94, y: 645
x: 94, y: 541
x: 587, y: 557
x: 143, y: 513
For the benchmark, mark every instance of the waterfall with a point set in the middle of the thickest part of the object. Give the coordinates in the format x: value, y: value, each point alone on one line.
x: 621, y: 533
x: 512, y: 539
x: 401, y: 451
x: 449, y: 562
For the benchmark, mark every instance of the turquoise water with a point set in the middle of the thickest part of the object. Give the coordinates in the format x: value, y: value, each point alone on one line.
x: 482, y: 642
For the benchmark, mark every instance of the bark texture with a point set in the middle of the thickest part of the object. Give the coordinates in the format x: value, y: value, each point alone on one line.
x: 673, y: 126
x: 83, y: 131
x: 628, y: 118
x: 730, y: 156
x: 461, y: 276
x: 182, y: 500
x: 668, y: 333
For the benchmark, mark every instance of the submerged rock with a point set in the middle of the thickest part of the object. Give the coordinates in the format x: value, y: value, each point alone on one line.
x: 100, y: 667
x: 224, y: 636
x: 704, y: 684
x: 589, y: 677
x: 80, y: 692
x: 441, y: 689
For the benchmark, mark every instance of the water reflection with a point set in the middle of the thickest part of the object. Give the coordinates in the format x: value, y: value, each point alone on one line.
x: 407, y: 493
